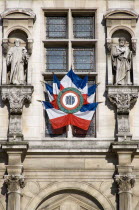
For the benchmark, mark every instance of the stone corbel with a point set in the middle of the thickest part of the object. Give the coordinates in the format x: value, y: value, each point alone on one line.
x: 123, y: 101
x: 123, y: 98
x: 16, y: 96
x: 134, y: 45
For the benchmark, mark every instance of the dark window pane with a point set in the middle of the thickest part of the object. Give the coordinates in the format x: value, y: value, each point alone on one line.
x: 56, y: 27
x: 84, y: 59
x: 83, y: 27
x: 56, y: 59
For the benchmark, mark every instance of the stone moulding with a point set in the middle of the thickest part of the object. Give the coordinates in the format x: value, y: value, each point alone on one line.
x: 29, y: 14
x: 129, y: 14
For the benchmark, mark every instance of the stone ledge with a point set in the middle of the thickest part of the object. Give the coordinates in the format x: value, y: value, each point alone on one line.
x: 14, y: 146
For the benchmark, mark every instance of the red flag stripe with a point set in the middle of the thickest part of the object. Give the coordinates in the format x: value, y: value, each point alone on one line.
x: 70, y: 119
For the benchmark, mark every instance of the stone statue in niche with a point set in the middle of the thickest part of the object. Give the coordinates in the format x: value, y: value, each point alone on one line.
x: 122, y: 63
x: 17, y: 59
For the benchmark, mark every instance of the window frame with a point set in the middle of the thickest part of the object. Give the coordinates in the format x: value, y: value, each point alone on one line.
x: 70, y: 42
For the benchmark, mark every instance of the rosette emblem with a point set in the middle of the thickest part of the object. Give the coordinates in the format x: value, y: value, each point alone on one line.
x: 71, y: 102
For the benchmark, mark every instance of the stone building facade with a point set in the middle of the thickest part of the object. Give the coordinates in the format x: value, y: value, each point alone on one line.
x: 68, y: 169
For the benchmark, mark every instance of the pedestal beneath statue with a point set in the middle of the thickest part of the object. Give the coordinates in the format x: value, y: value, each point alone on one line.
x: 16, y: 96
x: 123, y: 97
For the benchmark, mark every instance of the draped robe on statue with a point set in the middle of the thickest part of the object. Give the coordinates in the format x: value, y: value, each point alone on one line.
x: 17, y: 57
x: 121, y: 60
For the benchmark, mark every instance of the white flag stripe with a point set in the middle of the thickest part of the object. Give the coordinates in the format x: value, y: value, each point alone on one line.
x: 51, y: 98
x: 84, y: 90
x: 55, y: 89
x: 91, y: 99
x: 85, y: 115
x: 55, y: 113
x: 67, y: 82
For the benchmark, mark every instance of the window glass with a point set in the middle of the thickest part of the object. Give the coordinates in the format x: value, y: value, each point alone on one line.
x: 56, y: 59
x: 83, y: 27
x: 84, y: 59
x: 56, y: 27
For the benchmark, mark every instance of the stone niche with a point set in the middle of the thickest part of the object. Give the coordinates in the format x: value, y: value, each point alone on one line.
x: 17, y: 24
x: 121, y: 23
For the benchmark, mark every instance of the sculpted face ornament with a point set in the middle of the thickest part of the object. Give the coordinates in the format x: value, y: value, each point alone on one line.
x: 70, y: 100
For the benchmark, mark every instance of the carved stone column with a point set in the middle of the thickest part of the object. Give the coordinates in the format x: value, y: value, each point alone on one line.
x: 125, y: 179
x: 125, y: 185
x: 16, y: 96
x: 14, y: 184
x: 14, y: 178
x: 123, y: 98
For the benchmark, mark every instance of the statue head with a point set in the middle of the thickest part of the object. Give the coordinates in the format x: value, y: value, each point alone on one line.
x: 17, y: 42
x: 122, y: 41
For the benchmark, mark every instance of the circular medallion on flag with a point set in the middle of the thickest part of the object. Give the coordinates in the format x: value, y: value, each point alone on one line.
x: 70, y: 100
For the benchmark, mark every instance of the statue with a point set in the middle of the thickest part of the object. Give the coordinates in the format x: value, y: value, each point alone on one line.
x: 17, y: 60
x: 121, y: 62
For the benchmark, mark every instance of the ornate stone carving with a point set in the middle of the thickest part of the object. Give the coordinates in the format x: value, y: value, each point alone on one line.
x: 123, y: 97
x: 14, y: 182
x: 123, y: 101
x: 16, y: 96
x: 125, y: 182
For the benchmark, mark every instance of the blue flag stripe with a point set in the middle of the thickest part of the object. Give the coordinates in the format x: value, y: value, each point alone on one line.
x: 47, y: 105
x: 56, y: 80
x: 49, y: 88
x: 89, y: 107
x: 80, y: 83
x: 92, y: 90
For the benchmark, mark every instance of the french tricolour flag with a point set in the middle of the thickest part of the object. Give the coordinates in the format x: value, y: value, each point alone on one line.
x: 73, y: 80
x: 81, y: 119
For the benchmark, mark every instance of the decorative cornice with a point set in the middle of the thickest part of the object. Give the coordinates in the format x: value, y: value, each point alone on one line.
x: 132, y: 14
x: 28, y: 12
